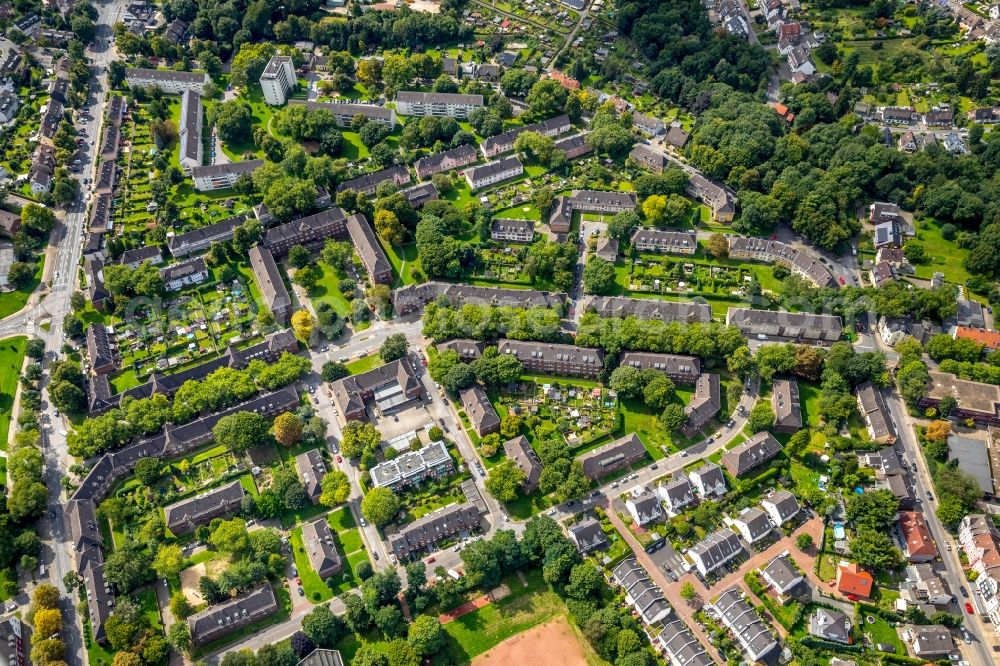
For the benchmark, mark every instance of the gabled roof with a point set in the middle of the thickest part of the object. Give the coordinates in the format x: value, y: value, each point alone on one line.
x: 852, y: 579
x: 754, y: 452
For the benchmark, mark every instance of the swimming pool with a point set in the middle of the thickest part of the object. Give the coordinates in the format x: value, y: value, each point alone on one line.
x: 838, y: 531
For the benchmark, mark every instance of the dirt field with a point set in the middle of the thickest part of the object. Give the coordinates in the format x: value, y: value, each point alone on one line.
x: 191, y: 576
x: 554, y: 639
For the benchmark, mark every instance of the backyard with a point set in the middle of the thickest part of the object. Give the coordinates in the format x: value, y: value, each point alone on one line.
x: 11, y: 359
x: 348, y: 542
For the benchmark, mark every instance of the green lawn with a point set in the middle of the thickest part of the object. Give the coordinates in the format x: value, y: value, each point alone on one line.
x: 12, y: 301
x: 404, y: 261
x: 881, y: 632
x: 365, y: 364
x: 8, y: 584
x: 809, y: 397
x: 943, y: 255
x: 326, y: 290
x: 11, y: 358
x: 147, y: 602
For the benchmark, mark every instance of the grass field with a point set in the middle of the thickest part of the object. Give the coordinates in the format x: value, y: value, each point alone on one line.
x: 11, y: 358
x: 365, y: 364
x: 404, y: 261
x: 881, y: 632
x: 944, y: 255
x: 524, y: 608
x: 12, y: 301
x: 326, y: 290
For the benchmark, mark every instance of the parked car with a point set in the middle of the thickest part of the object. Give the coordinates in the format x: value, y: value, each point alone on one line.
x: 968, y: 608
x: 965, y: 593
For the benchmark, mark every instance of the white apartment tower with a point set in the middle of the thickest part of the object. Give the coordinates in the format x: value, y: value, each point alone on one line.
x: 277, y: 80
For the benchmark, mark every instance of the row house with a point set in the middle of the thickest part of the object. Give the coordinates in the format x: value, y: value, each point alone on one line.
x: 718, y: 198
x: 424, y: 533
x: 414, y: 297
x: 513, y: 231
x: 493, y: 173
x: 368, y: 183
x: 555, y: 359
x: 704, y: 405
x: 311, y: 470
x: 344, y: 113
x: 447, y: 160
x: 648, y: 308
x: 184, y: 274
x: 411, y: 467
x: 272, y: 286
x: 504, y: 142
x: 801, y: 327
x: 667, y: 241
x: 799, y: 262
x: 614, y: 456
x: 386, y: 388
x: 680, y: 369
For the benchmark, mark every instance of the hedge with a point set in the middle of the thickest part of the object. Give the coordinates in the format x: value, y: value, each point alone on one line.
x: 820, y: 644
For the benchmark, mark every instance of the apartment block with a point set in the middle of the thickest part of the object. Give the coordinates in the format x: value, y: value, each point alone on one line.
x: 191, y: 147
x: 277, y: 80
x: 220, y: 176
x: 493, y: 173
x: 555, y: 359
x: 667, y: 241
x: 409, y: 103
x: 167, y: 80
x: 272, y: 286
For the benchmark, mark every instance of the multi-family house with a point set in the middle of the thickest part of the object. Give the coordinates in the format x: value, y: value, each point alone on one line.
x: 454, y: 105
x: 387, y: 388
x: 493, y: 173
x: 704, y: 404
x: 753, y: 524
x: 555, y: 359
x: 708, y: 480
x: 751, y: 454
x: 667, y: 241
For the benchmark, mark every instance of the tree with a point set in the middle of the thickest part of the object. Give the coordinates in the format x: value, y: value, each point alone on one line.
x: 598, y: 276
x: 128, y: 567
x: 874, y: 549
x: 804, y: 541
x: 336, y: 488
x: 169, y: 561
x: 627, y: 381
x: 27, y: 499
x: 426, y: 635
x: 673, y: 417
x: 288, y: 429
x: 298, y: 257
x: 332, y: 371
x: 659, y: 392
x: 249, y: 62
x: 231, y: 536
x: 938, y: 431
x: 584, y: 581
x: 45, y: 596
x: 48, y: 622
x: 302, y: 324
x: 233, y: 121
x: 240, y: 431
x: 48, y: 651
x: 301, y: 645
x: 180, y: 607
x: 393, y: 348
x: 546, y: 99
x: 504, y: 480
x: 359, y: 437
x: 323, y: 627
x: 874, y: 510
x: 149, y: 470
x: 416, y: 576
x: 380, y: 506
x: 688, y: 592
x: 389, y: 227
x: 717, y: 246
x: 761, y: 416
x: 126, y: 659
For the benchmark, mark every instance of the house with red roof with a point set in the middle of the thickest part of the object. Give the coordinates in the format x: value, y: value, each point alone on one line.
x: 989, y: 339
x: 853, y: 581
x: 918, y: 545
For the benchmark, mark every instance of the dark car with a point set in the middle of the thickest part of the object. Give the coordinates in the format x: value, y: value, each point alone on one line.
x: 965, y: 593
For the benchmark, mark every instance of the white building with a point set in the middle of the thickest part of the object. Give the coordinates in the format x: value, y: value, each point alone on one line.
x: 219, y: 176
x: 492, y: 173
x: 715, y: 550
x: 9, y: 105
x: 278, y: 79
x: 781, y: 506
x: 166, y: 80
x: 409, y: 103
x: 709, y: 480
x: 186, y: 273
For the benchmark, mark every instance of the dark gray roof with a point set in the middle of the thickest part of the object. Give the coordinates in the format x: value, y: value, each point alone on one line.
x: 548, y: 351
x: 467, y: 349
x: 493, y: 168
x: 587, y: 534
x: 220, y: 231
x: 649, y: 308
x: 830, y: 624
x: 673, y: 240
x: 784, y: 504
x: 462, y: 154
x: 718, y: 547
x: 311, y: 470
x: 756, y: 522
x: 506, y: 139
x: 785, y: 402
x: 164, y: 75
x: 874, y: 410
x: 317, y: 539
x: 372, y: 180
x: 367, y: 245
x: 418, y: 195
x: 322, y: 657
x: 408, y: 298
x: 752, y: 453
x: 739, y: 617
x: 519, y: 450
x: 348, y: 392
x: 177, y: 271
x: 140, y: 254
x: 190, y: 128
x: 247, y: 166
x: 433, y: 527
x: 612, y: 456
x: 369, y: 111
x: 99, y: 346
x: 222, y: 619
x: 593, y: 200
x: 781, y: 572
x: 438, y: 98
x: 316, y: 225
x: 193, y: 511
x: 478, y: 408
x: 671, y: 364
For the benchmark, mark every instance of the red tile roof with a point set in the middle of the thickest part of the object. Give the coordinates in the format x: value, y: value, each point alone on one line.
x: 851, y: 579
x: 917, y: 536
x: 989, y: 339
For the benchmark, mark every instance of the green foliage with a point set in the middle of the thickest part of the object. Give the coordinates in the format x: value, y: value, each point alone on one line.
x: 380, y: 506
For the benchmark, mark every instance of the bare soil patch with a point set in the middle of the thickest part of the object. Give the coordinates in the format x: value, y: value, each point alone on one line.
x: 555, y: 639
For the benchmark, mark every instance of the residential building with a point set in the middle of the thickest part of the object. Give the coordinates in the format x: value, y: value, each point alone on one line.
x: 830, y: 625
x: 872, y: 407
x: 513, y: 231
x: 447, y: 160
x: 704, y: 405
x: 781, y: 574
x: 680, y: 369
x: 191, y: 146
x: 43, y: 168
x: 467, y: 350
x: 199, y: 240
x: 413, y: 297
x: 751, y: 454
x: 588, y: 201
x: 677, y: 137
x: 176, y: 31
x: 387, y: 389
x: 918, y: 544
x: 309, y: 231
x: 899, y: 115
x: 645, y: 598
x: 887, y: 234
x: 647, y: 124
x: 800, y: 327
x: 368, y: 183
x: 519, y: 450
x: 574, y: 146
x: 644, y: 507
x: 10, y: 223
x: 932, y: 641
x: 138, y: 256
x: 804, y: 264
x: 369, y: 249
x: 613, y: 456
x: 168, y: 80
x: 311, y: 469
x: 853, y: 581
x: 647, y: 158
x: 411, y: 467
x: 750, y: 631
x: 753, y: 525
x: 924, y: 585
x: 480, y: 411
x: 454, y: 105
x: 9, y: 105
x: 979, y: 538
x: 587, y: 535
x: 272, y: 286
x: 504, y: 142
x: 990, y: 340
x: 882, y: 211
x: 679, y: 645
x: 668, y: 241
x: 555, y: 359
x: 184, y: 274
x: 493, y: 173
x: 345, y: 112
x: 648, y: 308
x: 983, y: 116
x: 184, y: 516
x: 939, y: 117
x: 100, y: 350
x: 107, y: 177
x: 718, y: 198
x: 800, y: 62
x: 221, y: 176
x: 425, y: 532
x: 715, y: 550
x: 881, y: 273
x: 97, y: 293
x: 17, y: 634
x: 565, y: 81
x: 708, y: 480
x: 786, y: 406
x: 781, y: 506
x: 418, y: 195
x: 278, y: 79
x: 607, y: 249
x: 676, y: 494
x: 223, y: 619
x: 317, y: 540
x: 969, y: 313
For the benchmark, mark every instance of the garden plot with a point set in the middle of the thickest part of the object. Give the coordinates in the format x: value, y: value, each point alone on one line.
x: 663, y: 275
x: 581, y: 413
x: 502, y: 264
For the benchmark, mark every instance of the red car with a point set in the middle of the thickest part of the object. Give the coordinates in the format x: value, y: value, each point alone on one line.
x: 841, y: 278
x: 968, y: 608
x: 339, y: 459
x: 298, y: 581
x: 430, y: 560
